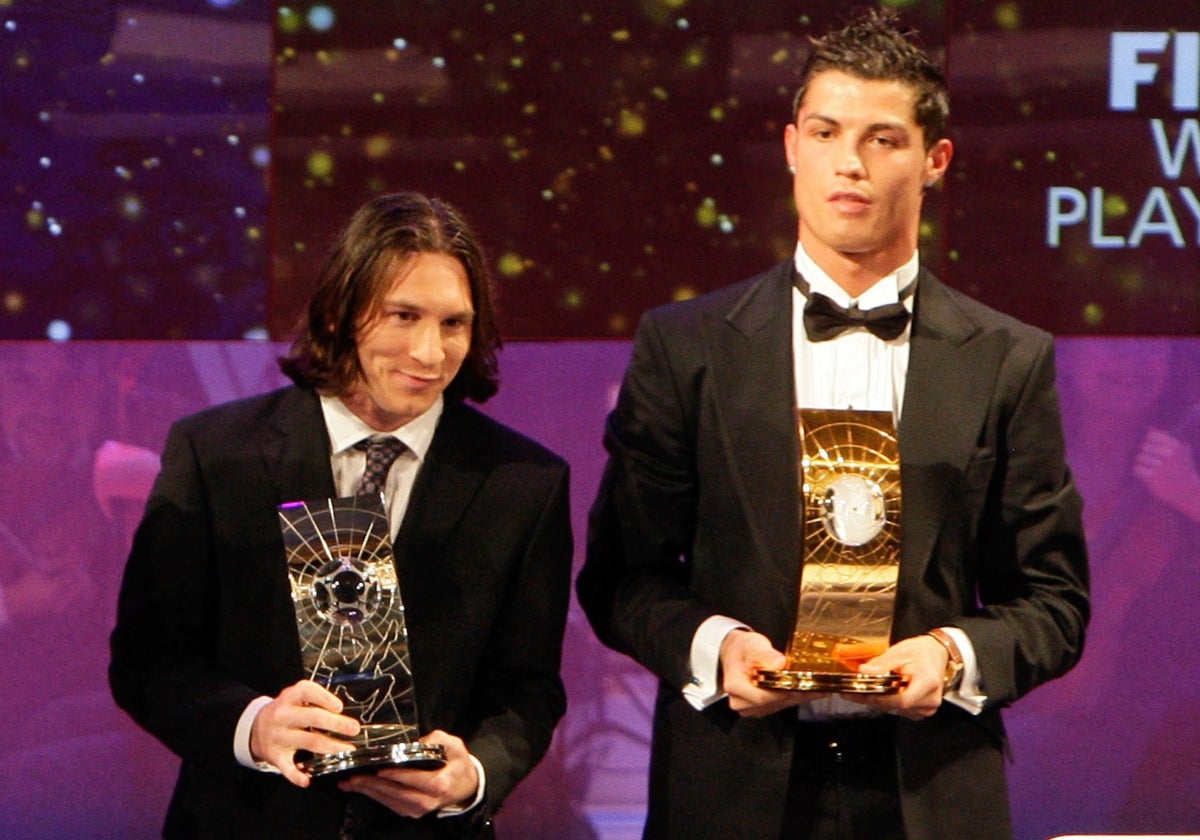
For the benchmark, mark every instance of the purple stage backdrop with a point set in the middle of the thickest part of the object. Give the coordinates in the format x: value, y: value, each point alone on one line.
x: 1111, y: 748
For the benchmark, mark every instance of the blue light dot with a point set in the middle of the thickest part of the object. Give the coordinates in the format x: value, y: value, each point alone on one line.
x: 10, y: 25
x: 400, y: 43
x: 439, y: 62
x: 139, y: 78
x: 53, y: 226
x: 320, y: 18
x: 44, y: 162
x: 58, y: 330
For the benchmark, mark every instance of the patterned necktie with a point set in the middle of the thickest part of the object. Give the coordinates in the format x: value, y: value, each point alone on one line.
x: 381, y: 452
x: 825, y: 319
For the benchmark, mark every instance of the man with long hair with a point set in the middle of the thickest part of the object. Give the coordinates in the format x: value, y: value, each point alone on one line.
x: 205, y: 653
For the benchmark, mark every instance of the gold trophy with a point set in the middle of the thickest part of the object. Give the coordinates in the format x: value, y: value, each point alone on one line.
x: 353, y: 638
x: 850, y: 496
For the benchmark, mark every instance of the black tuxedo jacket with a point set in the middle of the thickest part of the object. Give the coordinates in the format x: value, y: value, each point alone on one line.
x: 698, y: 514
x: 205, y: 621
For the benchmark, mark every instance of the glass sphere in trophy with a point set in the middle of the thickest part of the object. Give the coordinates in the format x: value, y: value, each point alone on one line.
x: 353, y: 637
x: 850, y: 497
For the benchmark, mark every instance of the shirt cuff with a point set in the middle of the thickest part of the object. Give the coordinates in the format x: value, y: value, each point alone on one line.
x: 455, y: 810
x: 969, y: 693
x: 241, y: 737
x: 704, y: 661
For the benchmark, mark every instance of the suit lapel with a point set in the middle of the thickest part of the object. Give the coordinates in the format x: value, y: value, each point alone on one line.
x: 749, y: 352
x: 455, y: 467
x: 296, y: 449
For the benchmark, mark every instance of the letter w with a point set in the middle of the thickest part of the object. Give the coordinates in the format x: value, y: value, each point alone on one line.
x: 1172, y: 160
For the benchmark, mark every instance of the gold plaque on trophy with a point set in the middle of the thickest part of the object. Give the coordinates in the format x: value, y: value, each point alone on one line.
x: 353, y: 637
x: 850, y: 498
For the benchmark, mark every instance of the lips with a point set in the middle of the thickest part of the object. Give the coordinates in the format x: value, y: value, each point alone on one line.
x: 418, y: 382
x: 849, y: 202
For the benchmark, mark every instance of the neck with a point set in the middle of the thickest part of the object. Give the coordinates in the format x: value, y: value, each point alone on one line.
x: 856, y: 273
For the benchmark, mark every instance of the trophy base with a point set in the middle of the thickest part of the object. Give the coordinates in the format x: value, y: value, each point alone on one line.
x: 413, y: 755
x: 827, y: 683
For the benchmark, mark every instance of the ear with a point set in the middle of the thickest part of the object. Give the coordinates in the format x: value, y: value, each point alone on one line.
x: 937, y: 161
x: 789, y: 145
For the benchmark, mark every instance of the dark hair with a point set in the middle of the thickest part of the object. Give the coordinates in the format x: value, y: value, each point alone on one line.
x: 353, y: 281
x: 874, y: 46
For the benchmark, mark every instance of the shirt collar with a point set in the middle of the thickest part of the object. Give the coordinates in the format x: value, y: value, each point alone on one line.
x: 886, y: 290
x: 346, y: 428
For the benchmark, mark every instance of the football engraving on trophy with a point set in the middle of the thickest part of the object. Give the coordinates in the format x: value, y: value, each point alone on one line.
x: 353, y: 636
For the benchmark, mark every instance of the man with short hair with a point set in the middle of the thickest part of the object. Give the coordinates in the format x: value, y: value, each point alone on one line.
x: 695, y: 539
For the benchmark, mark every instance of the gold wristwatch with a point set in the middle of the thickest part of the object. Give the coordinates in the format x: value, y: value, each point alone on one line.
x: 954, y: 665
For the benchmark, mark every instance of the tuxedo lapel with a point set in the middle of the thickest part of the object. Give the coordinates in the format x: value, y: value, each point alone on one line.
x: 952, y: 371
x: 749, y: 352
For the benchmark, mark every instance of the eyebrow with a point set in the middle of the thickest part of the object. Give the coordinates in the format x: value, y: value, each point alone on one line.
x: 401, y: 303
x: 879, y: 126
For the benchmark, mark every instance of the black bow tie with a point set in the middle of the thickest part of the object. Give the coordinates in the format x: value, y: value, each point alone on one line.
x: 824, y: 319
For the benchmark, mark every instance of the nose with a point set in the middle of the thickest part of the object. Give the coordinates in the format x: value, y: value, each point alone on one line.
x: 426, y: 345
x: 848, y: 163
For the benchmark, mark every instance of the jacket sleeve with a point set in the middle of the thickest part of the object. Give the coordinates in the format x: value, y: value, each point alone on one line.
x: 634, y: 583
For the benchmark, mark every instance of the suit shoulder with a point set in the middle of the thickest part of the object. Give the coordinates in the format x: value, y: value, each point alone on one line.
x: 719, y: 302
x: 986, y: 317
x: 245, y: 413
x: 489, y: 435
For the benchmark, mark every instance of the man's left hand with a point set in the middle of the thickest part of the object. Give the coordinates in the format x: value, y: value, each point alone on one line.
x: 415, y: 793
x: 922, y: 661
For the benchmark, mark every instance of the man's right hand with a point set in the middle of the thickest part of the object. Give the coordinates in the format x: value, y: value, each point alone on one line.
x: 741, y: 653
x: 298, y: 719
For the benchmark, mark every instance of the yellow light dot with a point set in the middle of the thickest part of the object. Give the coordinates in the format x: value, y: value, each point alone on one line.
x: 573, y: 299
x: 683, y: 293
x: 1115, y: 206
x: 706, y: 213
x: 694, y: 58
x: 510, y: 264
x: 631, y: 124
x: 1008, y: 16
x: 621, y: 35
x: 377, y: 146
x: 320, y: 164
x: 1093, y: 314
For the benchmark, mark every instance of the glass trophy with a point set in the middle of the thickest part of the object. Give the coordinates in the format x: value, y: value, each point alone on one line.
x: 850, y: 498
x: 353, y: 638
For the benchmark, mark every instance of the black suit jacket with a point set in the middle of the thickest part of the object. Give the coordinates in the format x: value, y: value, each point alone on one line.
x: 205, y: 621
x: 698, y: 514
